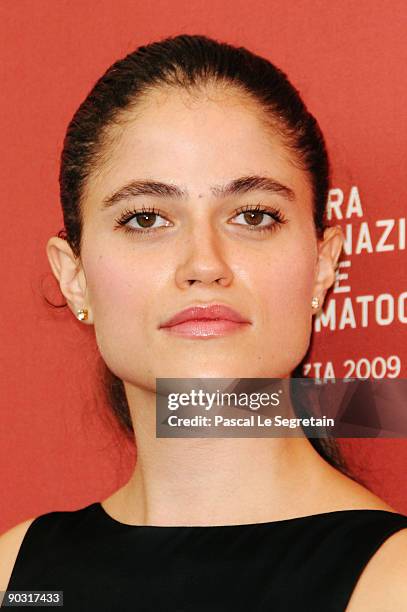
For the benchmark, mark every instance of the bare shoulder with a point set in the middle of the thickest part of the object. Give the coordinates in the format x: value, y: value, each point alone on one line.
x: 350, y: 494
x: 382, y: 585
x: 10, y: 543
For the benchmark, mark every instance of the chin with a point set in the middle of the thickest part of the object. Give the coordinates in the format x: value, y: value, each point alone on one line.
x: 191, y: 370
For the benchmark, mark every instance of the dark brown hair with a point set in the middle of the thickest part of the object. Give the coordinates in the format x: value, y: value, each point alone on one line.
x: 189, y: 62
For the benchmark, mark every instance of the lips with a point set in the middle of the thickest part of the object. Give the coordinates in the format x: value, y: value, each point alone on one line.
x: 215, y: 312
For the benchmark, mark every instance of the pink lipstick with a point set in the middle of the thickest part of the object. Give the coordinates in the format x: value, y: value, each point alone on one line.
x: 205, y: 321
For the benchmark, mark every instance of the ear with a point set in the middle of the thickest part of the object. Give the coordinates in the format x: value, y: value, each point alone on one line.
x: 329, y: 250
x: 69, y: 273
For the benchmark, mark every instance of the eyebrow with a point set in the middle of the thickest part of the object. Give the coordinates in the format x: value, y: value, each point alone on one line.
x: 242, y: 185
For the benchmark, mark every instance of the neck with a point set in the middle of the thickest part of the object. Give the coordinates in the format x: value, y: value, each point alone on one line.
x: 215, y: 481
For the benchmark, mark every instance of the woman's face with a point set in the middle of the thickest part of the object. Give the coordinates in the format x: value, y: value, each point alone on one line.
x: 201, y: 250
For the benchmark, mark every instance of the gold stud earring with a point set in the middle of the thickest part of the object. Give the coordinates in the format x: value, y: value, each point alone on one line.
x: 82, y: 314
x: 315, y: 302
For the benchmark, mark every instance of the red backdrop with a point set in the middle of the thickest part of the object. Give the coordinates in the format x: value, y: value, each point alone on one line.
x: 58, y: 450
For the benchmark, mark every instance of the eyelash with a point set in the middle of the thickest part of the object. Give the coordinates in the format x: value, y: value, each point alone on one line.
x: 129, y: 214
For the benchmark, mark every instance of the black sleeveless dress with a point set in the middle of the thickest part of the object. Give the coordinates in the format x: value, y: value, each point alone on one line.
x: 305, y: 564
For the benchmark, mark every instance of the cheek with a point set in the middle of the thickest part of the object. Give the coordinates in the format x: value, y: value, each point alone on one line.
x: 285, y: 288
x: 117, y: 286
x: 121, y: 293
x: 284, y: 292
x: 284, y: 279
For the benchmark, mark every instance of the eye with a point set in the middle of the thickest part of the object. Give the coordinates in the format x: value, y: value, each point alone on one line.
x: 149, y: 219
x: 144, y: 220
x: 259, y: 218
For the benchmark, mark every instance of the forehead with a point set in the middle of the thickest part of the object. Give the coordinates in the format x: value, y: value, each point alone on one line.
x: 194, y: 139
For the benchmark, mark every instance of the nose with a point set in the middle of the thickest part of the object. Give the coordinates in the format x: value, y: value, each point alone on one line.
x: 202, y: 259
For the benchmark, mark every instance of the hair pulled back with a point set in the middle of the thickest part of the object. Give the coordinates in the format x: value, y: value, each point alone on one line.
x: 188, y: 62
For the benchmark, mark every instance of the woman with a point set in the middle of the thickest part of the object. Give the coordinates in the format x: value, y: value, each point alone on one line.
x: 193, y: 177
